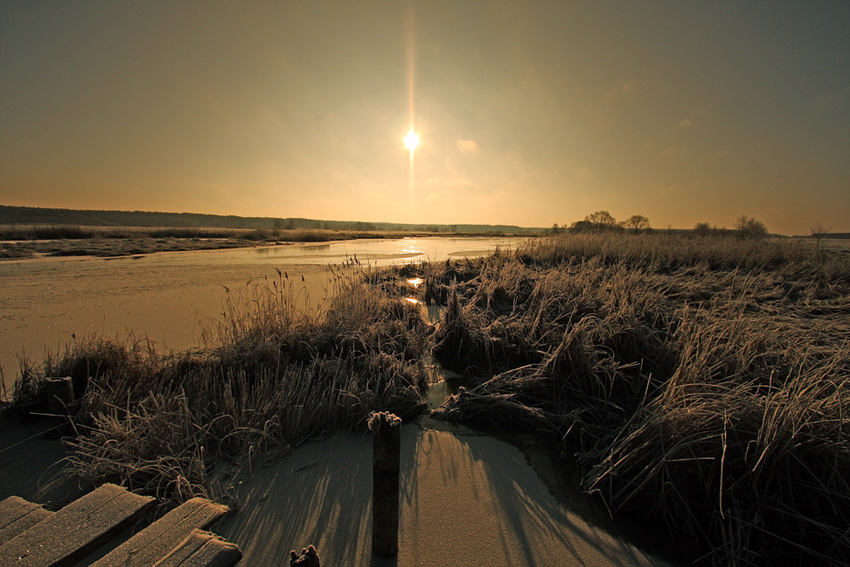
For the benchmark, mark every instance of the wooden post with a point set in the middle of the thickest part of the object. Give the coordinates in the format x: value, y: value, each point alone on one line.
x: 386, y: 464
x: 60, y: 394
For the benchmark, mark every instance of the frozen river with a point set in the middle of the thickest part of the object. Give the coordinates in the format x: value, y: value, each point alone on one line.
x: 170, y: 297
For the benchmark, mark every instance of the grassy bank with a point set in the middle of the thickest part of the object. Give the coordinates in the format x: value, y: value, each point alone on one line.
x: 270, y: 379
x: 29, y: 241
x: 75, y: 232
x: 22, y: 241
x: 702, y: 381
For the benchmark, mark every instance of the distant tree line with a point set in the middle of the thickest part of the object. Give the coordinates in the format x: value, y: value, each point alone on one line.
x: 603, y: 221
x: 78, y: 217
x: 746, y: 228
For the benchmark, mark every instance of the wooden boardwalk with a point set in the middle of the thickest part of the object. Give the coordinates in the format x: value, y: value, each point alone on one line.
x: 17, y: 515
x: 31, y: 536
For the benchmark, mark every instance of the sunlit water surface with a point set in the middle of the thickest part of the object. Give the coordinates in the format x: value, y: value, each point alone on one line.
x: 169, y: 298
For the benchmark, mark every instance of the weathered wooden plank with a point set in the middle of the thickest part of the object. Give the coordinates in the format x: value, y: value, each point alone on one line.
x: 202, y: 549
x: 161, y: 537
x: 76, y: 530
x: 18, y: 515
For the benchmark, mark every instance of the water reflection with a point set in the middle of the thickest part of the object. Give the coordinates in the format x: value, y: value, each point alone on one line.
x: 369, y: 253
x: 166, y: 296
x: 412, y: 247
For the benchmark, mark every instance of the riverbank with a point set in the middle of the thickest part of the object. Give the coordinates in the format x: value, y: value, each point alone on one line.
x: 701, y: 382
x: 23, y: 241
x: 172, y: 299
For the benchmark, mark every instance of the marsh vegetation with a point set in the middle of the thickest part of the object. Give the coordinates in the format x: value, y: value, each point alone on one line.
x: 271, y: 377
x: 21, y: 241
x: 30, y: 241
x: 700, y: 381
x: 703, y: 381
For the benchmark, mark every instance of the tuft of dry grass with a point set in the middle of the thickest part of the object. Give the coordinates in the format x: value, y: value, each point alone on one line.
x: 270, y: 377
x: 704, y: 381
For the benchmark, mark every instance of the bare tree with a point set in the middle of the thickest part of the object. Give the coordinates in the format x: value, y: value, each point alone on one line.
x: 818, y: 232
x: 702, y: 229
x: 636, y: 223
x: 750, y: 228
x: 601, y: 220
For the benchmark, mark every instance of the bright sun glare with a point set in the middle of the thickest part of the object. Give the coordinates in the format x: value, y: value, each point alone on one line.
x: 411, y: 141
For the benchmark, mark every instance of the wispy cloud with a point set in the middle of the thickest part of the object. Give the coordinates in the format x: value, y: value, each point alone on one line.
x: 685, y: 123
x: 467, y: 146
x: 619, y: 91
x: 669, y: 152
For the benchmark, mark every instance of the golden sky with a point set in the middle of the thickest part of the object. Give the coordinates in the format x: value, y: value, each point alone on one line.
x: 529, y: 113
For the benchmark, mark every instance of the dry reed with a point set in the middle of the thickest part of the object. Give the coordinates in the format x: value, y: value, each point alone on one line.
x: 271, y: 377
x: 703, y: 381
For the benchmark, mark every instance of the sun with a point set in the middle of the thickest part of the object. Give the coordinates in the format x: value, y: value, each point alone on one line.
x: 411, y: 141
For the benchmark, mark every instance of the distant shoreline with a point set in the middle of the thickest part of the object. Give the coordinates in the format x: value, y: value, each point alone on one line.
x: 18, y: 215
x: 20, y: 242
